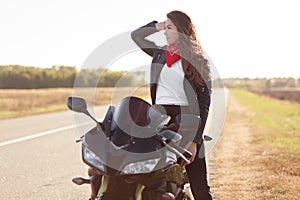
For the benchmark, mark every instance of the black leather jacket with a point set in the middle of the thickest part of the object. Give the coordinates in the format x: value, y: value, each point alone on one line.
x: 198, y: 98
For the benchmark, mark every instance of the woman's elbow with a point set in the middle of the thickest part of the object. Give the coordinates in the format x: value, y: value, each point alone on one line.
x: 134, y: 35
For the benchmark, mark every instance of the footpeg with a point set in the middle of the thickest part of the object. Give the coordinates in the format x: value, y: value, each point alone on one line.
x: 80, y: 181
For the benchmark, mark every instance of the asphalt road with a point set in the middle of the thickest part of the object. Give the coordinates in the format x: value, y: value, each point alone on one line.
x: 39, y: 157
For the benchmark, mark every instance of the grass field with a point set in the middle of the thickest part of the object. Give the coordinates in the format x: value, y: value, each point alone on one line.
x: 277, y: 116
x: 17, y: 103
x: 275, y: 125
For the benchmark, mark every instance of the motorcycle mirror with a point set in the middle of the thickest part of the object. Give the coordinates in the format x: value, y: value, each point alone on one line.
x: 188, y: 122
x: 76, y: 104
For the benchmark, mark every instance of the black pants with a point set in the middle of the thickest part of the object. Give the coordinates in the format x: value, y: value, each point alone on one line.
x: 196, y: 171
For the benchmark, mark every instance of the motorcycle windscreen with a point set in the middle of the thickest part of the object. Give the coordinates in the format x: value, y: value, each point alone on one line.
x: 133, y: 117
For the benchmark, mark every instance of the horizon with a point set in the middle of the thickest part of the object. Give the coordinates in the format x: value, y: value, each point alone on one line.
x: 233, y: 77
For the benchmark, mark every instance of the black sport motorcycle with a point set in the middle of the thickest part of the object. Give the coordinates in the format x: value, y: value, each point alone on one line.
x: 133, y: 154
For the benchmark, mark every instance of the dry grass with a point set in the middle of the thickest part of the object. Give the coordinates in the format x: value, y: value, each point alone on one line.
x: 245, y: 163
x: 278, y: 174
x: 16, y: 103
x: 274, y: 126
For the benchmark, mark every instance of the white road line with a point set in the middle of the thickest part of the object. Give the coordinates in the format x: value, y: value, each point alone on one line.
x: 41, y: 134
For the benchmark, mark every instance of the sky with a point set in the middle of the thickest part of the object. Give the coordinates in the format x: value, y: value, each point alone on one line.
x: 243, y: 38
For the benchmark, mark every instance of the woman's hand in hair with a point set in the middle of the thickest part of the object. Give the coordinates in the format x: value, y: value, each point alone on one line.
x: 160, y: 26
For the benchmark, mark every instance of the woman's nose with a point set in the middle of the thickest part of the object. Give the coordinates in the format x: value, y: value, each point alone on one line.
x: 165, y: 32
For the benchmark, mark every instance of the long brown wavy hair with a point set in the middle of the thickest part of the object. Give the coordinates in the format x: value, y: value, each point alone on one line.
x: 194, y: 64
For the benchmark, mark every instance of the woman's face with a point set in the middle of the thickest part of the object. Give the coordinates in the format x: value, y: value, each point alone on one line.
x: 171, y: 32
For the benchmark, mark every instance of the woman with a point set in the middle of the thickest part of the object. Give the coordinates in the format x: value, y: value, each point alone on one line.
x: 180, y: 82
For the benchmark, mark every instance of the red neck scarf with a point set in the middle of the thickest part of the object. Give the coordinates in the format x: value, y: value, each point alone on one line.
x: 172, y: 54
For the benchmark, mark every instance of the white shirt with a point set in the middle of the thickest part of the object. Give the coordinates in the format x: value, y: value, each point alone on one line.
x: 170, y: 90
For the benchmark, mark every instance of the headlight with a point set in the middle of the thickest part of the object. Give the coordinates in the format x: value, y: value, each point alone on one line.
x: 93, y: 159
x: 140, y: 167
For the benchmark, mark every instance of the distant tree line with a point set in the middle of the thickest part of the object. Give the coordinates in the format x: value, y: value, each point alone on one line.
x: 24, y: 77
x: 262, y: 84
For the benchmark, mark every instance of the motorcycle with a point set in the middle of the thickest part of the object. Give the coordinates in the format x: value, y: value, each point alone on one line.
x: 133, y: 154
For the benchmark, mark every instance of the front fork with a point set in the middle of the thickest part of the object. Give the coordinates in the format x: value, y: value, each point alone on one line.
x: 95, y: 181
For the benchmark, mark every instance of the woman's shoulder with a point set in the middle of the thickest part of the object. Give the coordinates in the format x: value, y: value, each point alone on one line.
x: 163, y: 48
x: 160, y: 49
